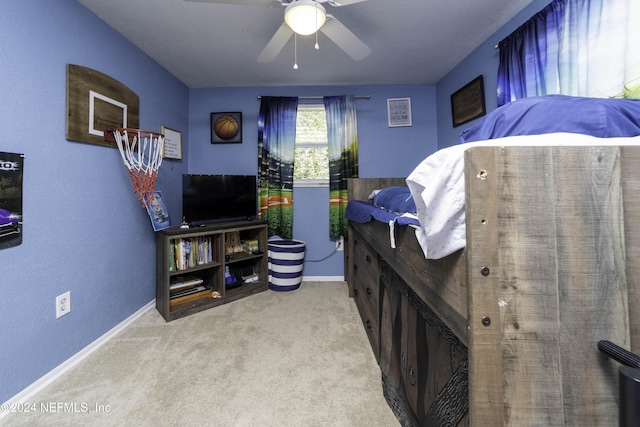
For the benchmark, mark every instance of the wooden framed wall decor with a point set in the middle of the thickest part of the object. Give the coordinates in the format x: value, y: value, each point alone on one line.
x: 467, y: 103
x: 226, y: 128
x: 172, y: 148
x: 97, y: 103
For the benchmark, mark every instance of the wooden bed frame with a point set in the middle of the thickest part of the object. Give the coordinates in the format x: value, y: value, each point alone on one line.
x: 551, y: 266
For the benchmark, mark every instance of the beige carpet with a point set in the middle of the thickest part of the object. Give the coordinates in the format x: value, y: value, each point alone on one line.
x: 298, y: 358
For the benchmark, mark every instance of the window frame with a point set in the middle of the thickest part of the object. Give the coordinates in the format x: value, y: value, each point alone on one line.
x: 311, y: 182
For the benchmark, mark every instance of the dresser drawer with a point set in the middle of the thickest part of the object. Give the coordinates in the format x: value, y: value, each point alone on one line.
x: 370, y: 318
x: 366, y: 271
x: 366, y: 290
x: 367, y: 295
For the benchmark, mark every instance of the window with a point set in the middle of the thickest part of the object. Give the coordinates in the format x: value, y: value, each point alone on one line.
x: 312, y: 151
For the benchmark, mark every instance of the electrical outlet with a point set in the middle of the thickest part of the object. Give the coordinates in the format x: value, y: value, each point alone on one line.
x: 63, y: 304
x: 340, y: 244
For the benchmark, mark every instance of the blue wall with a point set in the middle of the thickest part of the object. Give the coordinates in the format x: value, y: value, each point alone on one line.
x: 383, y: 151
x: 482, y: 61
x: 84, y: 230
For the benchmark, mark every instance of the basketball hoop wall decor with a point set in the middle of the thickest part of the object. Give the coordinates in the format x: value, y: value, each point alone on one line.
x: 141, y: 152
x: 97, y: 104
x: 226, y: 128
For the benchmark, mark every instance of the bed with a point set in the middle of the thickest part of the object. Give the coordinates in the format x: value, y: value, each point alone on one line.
x: 547, y: 265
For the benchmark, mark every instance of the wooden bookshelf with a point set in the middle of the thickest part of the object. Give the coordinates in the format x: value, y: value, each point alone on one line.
x: 198, y: 257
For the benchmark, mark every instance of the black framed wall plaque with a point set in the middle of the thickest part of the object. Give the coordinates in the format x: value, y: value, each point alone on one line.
x: 467, y: 103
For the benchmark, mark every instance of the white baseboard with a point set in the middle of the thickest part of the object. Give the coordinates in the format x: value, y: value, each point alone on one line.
x: 68, y: 364
x: 323, y: 278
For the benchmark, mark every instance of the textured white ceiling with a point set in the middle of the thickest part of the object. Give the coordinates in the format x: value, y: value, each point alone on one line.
x: 216, y: 45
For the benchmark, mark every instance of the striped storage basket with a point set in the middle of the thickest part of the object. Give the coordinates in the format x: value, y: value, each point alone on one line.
x: 286, y: 259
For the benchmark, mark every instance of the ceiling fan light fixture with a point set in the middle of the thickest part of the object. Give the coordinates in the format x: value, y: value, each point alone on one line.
x: 305, y: 17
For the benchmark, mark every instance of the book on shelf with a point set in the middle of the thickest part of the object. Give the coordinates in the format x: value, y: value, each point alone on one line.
x: 179, y: 283
x: 190, y: 252
x: 172, y: 256
x: 190, y: 295
x: 186, y: 291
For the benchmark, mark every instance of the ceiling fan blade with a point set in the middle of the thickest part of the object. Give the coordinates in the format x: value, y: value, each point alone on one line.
x: 275, y: 45
x: 345, y: 39
x: 243, y: 2
x: 343, y: 2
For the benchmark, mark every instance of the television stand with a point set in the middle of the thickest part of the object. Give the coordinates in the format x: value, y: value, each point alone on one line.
x: 205, y: 266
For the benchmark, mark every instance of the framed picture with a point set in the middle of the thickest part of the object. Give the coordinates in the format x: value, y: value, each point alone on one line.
x: 158, y: 212
x: 226, y: 128
x: 467, y: 103
x: 172, y: 144
x: 399, y: 112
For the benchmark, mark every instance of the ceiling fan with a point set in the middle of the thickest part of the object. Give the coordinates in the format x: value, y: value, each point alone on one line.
x: 318, y: 20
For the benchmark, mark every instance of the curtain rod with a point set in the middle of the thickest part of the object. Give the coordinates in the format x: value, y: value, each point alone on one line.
x: 320, y: 97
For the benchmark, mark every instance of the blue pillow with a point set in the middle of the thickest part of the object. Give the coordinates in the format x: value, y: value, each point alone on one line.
x: 395, y: 199
x: 599, y: 117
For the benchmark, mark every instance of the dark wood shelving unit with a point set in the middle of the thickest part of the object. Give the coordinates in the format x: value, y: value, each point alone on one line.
x: 217, y: 247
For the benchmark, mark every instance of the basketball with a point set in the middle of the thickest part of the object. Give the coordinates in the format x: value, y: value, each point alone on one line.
x: 226, y: 127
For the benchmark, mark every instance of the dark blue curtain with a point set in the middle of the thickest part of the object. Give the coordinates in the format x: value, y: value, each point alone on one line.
x: 528, y: 55
x: 573, y: 47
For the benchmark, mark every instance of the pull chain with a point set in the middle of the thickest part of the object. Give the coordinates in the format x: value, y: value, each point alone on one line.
x: 295, y: 51
x: 316, y: 16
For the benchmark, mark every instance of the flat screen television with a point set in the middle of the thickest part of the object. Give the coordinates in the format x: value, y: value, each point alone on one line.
x: 208, y: 199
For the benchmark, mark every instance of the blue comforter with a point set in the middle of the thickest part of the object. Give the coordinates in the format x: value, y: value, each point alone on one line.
x: 360, y: 211
x: 599, y: 117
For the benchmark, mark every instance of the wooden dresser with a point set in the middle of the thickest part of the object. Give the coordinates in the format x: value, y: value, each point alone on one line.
x: 424, y: 367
